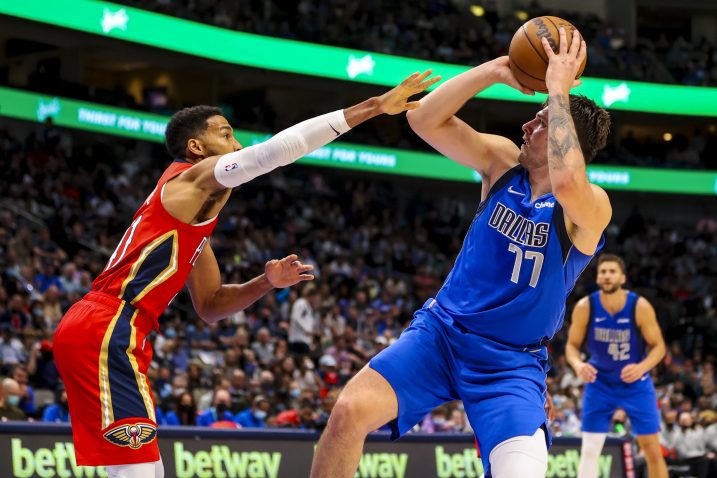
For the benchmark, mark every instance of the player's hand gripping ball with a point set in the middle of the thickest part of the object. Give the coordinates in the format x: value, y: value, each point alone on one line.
x: 528, y: 60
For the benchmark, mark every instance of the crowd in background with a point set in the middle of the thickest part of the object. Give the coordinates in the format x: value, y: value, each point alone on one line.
x: 447, y: 31
x: 379, y: 253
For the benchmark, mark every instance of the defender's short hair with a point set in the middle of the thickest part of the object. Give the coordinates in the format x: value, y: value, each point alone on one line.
x: 186, y: 124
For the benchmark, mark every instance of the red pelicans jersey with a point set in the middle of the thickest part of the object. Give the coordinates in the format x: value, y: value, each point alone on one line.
x: 152, y: 261
x: 101, y: 345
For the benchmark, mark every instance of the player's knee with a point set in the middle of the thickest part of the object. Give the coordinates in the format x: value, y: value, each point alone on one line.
x: 591, y: 446
x: 652, y: 452
x: 347, y: 414
x: 516, y: 464
x: 525, y: 456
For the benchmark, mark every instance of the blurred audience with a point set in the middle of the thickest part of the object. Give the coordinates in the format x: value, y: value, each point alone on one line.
x: 382, y: 252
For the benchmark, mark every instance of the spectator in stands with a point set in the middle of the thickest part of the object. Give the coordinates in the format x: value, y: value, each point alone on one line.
x: 16, y: 316
x: 182, y: 411
x: 304, y: 322
x: 263, y: 347
x: 691, y: 445
x: 12, y: 350
x: 9, y: 400
x: 27, y: 394
x: 254, y: 416
x: 58, y: 412
x: 220, y: 410
x: 46, y: 375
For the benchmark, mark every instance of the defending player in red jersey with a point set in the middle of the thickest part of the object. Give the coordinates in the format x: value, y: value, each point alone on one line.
x: 101, y: 345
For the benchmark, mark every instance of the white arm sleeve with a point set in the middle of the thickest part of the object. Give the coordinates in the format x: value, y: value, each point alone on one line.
x: 284, y: 148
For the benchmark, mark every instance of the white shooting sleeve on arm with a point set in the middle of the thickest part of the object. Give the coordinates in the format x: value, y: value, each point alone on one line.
x: 284, y: 148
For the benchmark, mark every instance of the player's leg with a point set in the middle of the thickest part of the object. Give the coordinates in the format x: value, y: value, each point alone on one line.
x: 590, y: 451
x: 503, y: 391
x: 599, y: 403
x: 99, y: 354
x: 650, y: 446
x: 640, y: 404
x: 137, y: 470
x: 400, y: 385
x: 366, y: 404
x: 523, y: 456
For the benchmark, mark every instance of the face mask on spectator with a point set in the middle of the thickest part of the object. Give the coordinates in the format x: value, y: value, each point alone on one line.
x: 13, y: 400
x: 221, y: 408
x: 259, y: 414
x: 295, y: 392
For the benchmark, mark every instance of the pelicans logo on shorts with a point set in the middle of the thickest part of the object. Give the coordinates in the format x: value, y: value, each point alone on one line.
x: 131, y: 435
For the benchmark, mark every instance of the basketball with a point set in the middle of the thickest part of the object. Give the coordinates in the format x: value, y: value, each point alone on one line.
x: 528, y: 60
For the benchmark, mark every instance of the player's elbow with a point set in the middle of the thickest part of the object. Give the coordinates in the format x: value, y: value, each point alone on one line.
x: 568, y: 183
x: 420, y: 120
x: 205, y: 310
x: 204, y: 313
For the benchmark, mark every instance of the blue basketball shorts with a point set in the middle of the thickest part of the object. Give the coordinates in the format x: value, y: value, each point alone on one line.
x: 638, y: 399
x: 433, y: 362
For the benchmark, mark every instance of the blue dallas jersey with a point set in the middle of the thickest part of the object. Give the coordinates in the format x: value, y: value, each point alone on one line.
x: 516, y: 267
x: 614, y: 340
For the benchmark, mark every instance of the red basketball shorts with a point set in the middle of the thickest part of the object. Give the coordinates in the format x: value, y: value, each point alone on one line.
x: 102, y: 354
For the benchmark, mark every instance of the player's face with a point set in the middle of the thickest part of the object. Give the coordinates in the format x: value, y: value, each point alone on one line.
x: 534, y: 150
x: 219, y: 137
x: 610, y: 277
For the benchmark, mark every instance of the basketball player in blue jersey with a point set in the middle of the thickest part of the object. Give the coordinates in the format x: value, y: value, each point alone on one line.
x: 482, y: 338
x: 620, y: 327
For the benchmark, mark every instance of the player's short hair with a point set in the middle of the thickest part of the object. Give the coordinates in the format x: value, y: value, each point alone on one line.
x: 607, y: 257
x: 186, y: 124
x: 592, y: 124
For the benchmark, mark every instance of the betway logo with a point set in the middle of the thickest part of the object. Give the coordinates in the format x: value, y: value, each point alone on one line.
x: 566, y: 465
x: 58, y: 461
x: 466, y: 464
x: 221, y: 462
x: 382, y: 465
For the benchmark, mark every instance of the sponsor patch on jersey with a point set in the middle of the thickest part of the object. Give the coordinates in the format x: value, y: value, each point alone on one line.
x: 623, y: 321
x: 541, y: 205
x: 133, y: 435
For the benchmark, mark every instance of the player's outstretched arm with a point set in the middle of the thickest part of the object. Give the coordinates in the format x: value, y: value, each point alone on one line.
x: 436, y: 123
x: 214, y: 301
x: 650, y: 329
x: 586, y: 206
x: 231, y: 170
x: 576, y: 336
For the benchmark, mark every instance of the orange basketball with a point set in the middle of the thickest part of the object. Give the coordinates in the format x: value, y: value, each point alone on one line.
x: 528, y: 60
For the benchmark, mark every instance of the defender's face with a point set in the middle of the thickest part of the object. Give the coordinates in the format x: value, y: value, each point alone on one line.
x: 219, y: 139
x: 534, y: 150
x: 610, y: 277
